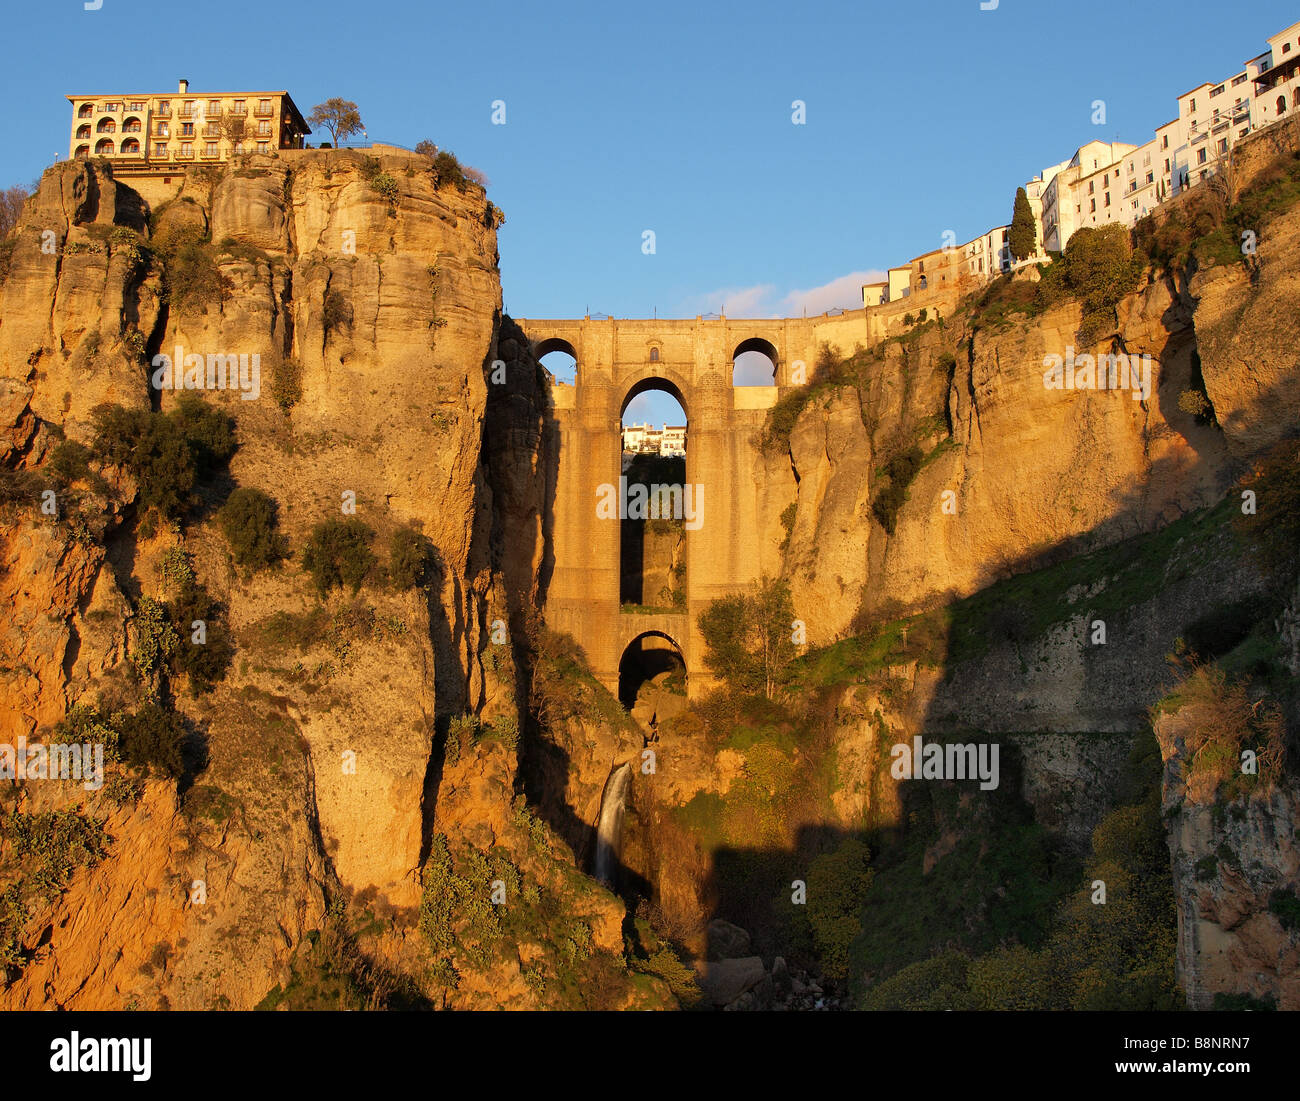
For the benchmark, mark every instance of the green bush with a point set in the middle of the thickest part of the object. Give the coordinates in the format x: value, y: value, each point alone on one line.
x: 747, y: 637
x: 249, y: 520
x: 898, y: 474
x: 447, y: 170
x: 286, y: 384
x: 338, y: 553
x: 411, y: 559
x: 153, y: 739
x: 204, y: 662
x: 166, y: 453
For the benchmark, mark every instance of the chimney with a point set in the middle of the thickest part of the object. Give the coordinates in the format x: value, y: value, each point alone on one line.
x: 183, y: 87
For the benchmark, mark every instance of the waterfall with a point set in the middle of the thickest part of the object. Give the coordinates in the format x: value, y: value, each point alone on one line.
x: 609, y: 828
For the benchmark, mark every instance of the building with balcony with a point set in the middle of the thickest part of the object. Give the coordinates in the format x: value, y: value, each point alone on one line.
x: 152, y: 135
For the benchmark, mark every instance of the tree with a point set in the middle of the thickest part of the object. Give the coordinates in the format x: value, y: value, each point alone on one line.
x: 11, y: 208
x: 340, y: 117
x: 748, y: 637
x: 1023, y: 235
x: 249, y: 519
x: 426, y: 148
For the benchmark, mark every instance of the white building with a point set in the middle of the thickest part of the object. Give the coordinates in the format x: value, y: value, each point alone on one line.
x: 1275, y: 78
x: 988, y: 254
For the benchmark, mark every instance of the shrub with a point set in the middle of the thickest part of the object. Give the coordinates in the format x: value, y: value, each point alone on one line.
x: 898, y: 474
x: 153, y: 739
x: 335, y: 312
x: 386, y: 184
x: 155, y: 638
x: 249, y: 520
x: 166, y: 454
x: 203, y: 662
x: 338, y: 553
x: 286, y: 384
x: 411, y: 558
x: 70, y: 461
x: 447, y: 170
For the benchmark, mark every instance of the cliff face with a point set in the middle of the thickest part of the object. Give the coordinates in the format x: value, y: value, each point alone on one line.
x: 374, y: 315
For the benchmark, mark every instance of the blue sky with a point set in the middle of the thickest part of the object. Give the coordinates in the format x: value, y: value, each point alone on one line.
x: 674, y: 117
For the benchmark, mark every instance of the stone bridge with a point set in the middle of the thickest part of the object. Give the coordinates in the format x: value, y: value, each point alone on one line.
x: 693, y: 361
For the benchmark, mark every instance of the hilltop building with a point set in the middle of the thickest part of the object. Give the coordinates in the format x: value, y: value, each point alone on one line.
x: 157, y: 135
x: 644, y: 439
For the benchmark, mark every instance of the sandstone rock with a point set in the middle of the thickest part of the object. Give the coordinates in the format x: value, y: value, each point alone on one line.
x: 723, y: 981
x: 727, y: 941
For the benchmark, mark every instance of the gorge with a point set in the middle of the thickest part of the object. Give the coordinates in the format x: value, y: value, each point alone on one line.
x: 432, y: 682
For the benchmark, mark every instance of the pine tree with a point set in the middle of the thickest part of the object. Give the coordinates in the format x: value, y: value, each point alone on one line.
x: 1023, y: 235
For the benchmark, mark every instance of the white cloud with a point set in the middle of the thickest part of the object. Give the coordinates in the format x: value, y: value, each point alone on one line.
x: 844, y: 292
x: 766, y: 300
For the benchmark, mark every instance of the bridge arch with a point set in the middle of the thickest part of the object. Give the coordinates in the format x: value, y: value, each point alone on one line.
x: 651, y: 658
x: 755, y: 362
x: 669, y: 382
x: 563, y: 359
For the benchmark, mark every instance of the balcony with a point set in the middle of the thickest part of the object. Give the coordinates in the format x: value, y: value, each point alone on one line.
x: 264, y: 112
x: 163, y: 112
x: 186, y: 113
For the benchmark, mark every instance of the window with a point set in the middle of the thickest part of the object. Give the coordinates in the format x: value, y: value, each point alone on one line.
x: 1164, y: 144
x: 187, y: 150
x: 1239, y: 80
x: 137, y: 105
x: 1191, y: 106
x: 85, y: 111
x: 214, y: 107
x: 1223, y: 145
x: 160, y: 149
x: 1108, y: 198
x: 1216, y: 91
x: 187, y: 129
x: 210, y: 150
x: 83, y: 131
x: 1286, y: 47
x: 1281, y: 105
x: 164, y: 106
x: 187, y: 108
x: 263, y: 147
x: 239, y: 148
x: 1200, y: 156
x: 1151, y: 177
x: 1166, y: 165
x: 162, y: 130
x: 263, y: 106
x: 1091, y: 184
x: 654, y: 355
x: 263, y: 129
x: 1132, y: 185
x: 1094, y: 206
x: 112, y: 106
